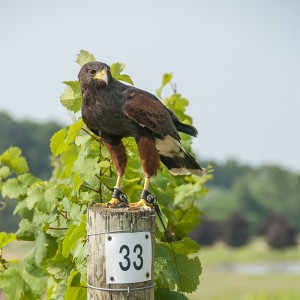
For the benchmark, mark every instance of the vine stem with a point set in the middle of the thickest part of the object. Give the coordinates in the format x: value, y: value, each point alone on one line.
x: 91, y: 189
x: 58, y: 228
x: 91, y: 135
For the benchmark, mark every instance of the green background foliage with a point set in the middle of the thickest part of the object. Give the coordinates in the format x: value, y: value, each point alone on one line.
x: 53, y: 212
x: 254, y: 193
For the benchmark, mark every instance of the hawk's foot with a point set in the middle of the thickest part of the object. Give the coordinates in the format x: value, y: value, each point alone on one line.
x: 146, y: 201
x: 119, y: 199
x: 141, y: 204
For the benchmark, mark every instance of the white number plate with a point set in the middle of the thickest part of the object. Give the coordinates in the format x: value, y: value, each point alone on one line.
x: 128, y: 257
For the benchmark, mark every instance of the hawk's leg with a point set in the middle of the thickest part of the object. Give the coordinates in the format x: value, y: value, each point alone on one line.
x: 150, y: 163
x: 118, y: 155
x: 144, y: 202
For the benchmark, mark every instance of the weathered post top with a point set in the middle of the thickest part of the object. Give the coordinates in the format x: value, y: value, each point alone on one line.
x: 120, y: 262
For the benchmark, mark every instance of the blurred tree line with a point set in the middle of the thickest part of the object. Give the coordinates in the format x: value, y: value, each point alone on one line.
x: 245, y: 201
x: 33, y: 138
x: 254, y: 193
x: 241, y: 197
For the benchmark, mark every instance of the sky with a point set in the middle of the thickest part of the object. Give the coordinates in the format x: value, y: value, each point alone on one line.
x: 236, y: 61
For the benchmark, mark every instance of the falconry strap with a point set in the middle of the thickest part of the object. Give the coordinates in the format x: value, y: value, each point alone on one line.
x: 119, y: 195
x: 150, y: 198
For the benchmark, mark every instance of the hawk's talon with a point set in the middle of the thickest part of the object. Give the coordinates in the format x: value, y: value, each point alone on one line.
x: 119, y: 199
x: 146, y: 195
x: 147, y: 201
x: 151, y: 199
x: 123, y: 205
x: 141, y: 204
x: 118, y: 194
x: 114, y: 202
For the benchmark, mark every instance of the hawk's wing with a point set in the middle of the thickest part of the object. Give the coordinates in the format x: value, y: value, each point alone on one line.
x: 147, y: 111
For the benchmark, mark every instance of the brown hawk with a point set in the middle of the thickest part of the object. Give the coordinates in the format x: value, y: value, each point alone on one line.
x: 114, y: 110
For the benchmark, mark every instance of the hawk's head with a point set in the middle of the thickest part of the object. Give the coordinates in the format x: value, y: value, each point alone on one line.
x: 95, y: 73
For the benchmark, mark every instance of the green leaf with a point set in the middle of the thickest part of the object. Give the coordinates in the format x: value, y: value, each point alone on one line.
x: 159, y: 224
x: 12, y: 158
x: 190, y: 271
x: 6, y: 238
x: 85, y: 166
x: 166, y: 294
x: 84, y: 57
x: 125, y: 78
x: 60, y: 140
x: 14, y: 285
x: 37, y: 283
x: 77, y: 182
x: 184, y: 247
x: 75, y: 293
x: 81, y: 140
x: 104, y: 164
x: 59, y: 266
x: 66, y: 244
x: 186, y: 224
x: 36, y: 195
x: 71, y: 97
x: 43, y: 197
x: 53, y: 195
x: 16, y: 187
x: 116, y: 69
x: 74, y: 290
x: 165, y: 80
x: 187, y: 192
x: 40, y: 250
x: 4, y: 172
x: 74, y: 279
x: 68, y: 158
x: 26, y: 231
x: 57, y: 142
x: 12, y: 189
x: 73, y: 235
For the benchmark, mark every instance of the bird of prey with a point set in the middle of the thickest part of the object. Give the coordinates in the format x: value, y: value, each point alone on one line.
x: 114, y: 110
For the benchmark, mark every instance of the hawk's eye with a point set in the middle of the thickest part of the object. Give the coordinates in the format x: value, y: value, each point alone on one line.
x: 92, y: 72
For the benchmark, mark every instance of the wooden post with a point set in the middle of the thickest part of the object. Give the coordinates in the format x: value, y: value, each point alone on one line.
x: 105, y: 225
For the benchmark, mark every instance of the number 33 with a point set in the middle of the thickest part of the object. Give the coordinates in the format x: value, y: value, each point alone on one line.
x: 125, y: 265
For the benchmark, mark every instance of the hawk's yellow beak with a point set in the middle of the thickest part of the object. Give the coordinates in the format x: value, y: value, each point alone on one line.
x: 102, y: 75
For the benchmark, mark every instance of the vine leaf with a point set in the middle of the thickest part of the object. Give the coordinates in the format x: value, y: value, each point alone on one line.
x: 21, y: 289
x: 116, y: 69
x: 6, y: 238
x: 12, y: 158
x: 84, y: 57
x: 59, y: 266
x: 71, y: 97
x: 165, y: 293
x: 73, y: 235
x: 165, y: 80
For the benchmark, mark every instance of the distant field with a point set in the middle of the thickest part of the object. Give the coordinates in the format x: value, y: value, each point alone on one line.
x: 217, y: 284
x: 17, y: 250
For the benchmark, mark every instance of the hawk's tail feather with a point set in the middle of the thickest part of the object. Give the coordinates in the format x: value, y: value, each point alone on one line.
x: 176, y: 159
x: 185, y: 128
x: 182, y: 165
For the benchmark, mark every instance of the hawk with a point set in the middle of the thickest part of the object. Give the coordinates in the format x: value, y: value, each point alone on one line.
x: 114, y: 110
